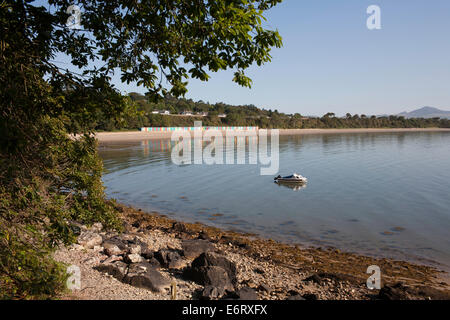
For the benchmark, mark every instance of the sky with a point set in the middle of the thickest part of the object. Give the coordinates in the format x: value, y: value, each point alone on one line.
x: 331, y: 62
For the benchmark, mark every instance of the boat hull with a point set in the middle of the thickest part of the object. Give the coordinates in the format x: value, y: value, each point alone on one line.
x: 291, y: 180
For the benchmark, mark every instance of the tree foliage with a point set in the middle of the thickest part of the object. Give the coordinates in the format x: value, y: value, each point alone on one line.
x: 50, y: 177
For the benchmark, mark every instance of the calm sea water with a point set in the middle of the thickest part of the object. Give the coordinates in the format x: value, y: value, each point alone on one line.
x: 382, y: 194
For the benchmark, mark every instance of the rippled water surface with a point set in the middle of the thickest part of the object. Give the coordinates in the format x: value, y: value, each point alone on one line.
x: 384, y: 194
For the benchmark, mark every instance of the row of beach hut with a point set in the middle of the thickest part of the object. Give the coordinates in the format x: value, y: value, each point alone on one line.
x: 148, y: 129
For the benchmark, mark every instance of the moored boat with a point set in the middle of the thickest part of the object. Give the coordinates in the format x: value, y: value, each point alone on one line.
x: 294, y: 178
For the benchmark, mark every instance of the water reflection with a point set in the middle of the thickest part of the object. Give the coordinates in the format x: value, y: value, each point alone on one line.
x: 293, y: 186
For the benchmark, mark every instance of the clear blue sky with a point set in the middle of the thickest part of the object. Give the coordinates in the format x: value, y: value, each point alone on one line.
x: 331, y: 62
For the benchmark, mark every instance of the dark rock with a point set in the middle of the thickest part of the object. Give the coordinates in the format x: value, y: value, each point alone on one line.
x: 209, y: 276
x: 184, y: 236
x: 136, y: 224
x: 169, y: 259
x: 147, y: 253
x: 180, y: 227
x: 310, y: 296
x: 234, y: 241
x: 119, y: 208
x: 225, y: 239
x: 117, y: 269
x: 141, y: 267
x: 241, y: 244
x: 213, y: 259
x: 129, y: 239
x: 210, y: 293
x: 75, y: 229
x: 115, y: 246
x: 395, y: 292
x: 230, y: 295
x: 314, y: 278
x: 295, y: 297
x: 245, y: 293
x: 259, y: 270
x: 321, y: 277
x: 155, y: 263
x: 204, y: 236
x: 217, y: 276
x: 264, y: 287
x: 143, y: 245
x: 194, y: 248
x: 144, y: 275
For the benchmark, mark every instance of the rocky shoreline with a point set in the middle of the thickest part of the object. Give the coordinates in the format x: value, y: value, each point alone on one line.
x: 160, y: 258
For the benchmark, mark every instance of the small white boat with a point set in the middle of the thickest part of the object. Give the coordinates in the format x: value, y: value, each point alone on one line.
x: 294, y: 178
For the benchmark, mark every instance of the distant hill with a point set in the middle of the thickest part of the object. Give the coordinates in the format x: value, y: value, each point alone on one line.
x: 426, y: 112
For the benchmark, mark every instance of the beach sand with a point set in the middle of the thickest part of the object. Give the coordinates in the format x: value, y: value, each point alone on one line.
x: 104, y: 137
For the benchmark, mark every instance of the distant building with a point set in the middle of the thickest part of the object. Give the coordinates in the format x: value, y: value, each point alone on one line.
x: 222, y: 115
x: 161, y: 112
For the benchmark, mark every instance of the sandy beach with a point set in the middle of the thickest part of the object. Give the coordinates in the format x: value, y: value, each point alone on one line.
x: 140, y: 135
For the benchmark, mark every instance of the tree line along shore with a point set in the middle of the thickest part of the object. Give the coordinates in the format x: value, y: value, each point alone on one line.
x: 181, y: 112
